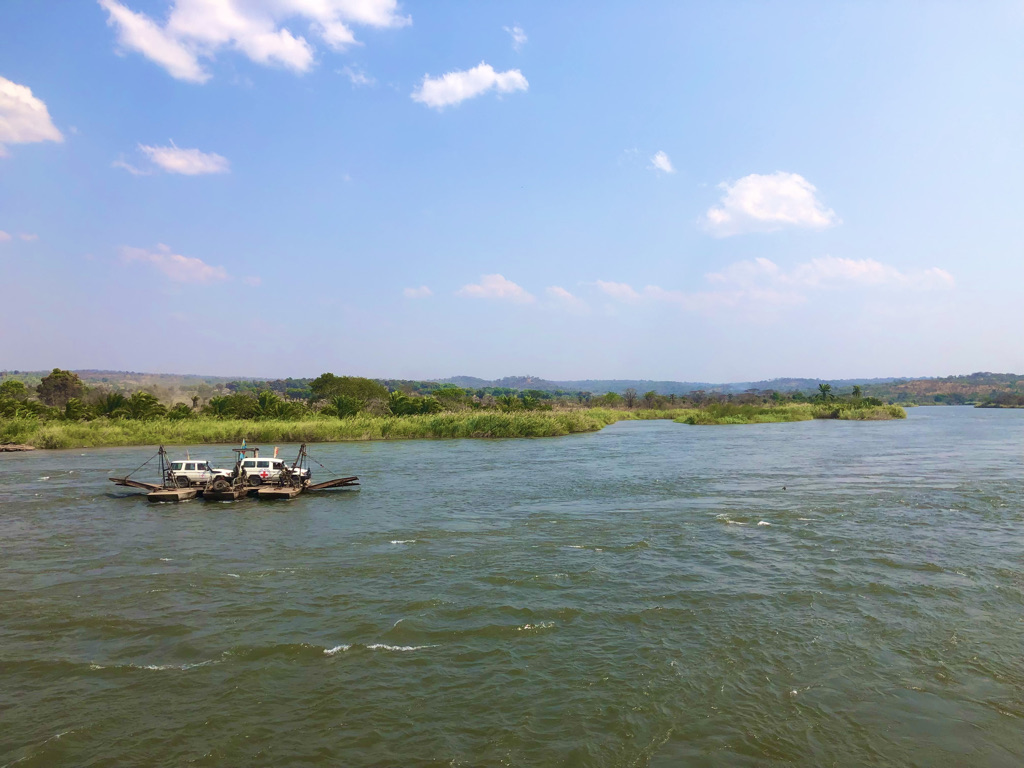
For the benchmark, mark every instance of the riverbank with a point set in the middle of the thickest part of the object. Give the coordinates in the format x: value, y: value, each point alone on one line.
x: 727, y: 413
x: 462, y: 424
x: 104, y: 433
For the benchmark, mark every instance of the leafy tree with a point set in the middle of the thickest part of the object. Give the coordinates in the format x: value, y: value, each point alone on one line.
x: 76, y: 410
x: 142, y: 406
x: 400, y: 404
x: 649, y: 398
x: 179, y: 412
x: 110, y: 404
x: 219, y: 406
x: 14, y: 389
x: 327, y: 386
x: 59, y: 387
x: 268, y: 405
x: 825, y: 392
x: 509, y: 403
x: 345, y: 406
x: 530, y: 403
x: 611, y: 399
x: 630, y: 397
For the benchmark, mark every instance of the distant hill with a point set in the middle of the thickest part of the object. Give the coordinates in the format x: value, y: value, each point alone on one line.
x: 972, y: 388
x: 600, y: 386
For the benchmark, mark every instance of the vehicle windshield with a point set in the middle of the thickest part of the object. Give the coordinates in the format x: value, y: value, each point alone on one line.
x: 177, y: 465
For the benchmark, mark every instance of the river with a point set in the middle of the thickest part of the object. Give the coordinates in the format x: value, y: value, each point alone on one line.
x: 810, y: 594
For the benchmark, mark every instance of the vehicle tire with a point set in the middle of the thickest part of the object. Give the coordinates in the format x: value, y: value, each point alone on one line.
x: 254, y: 480
x: 182, y: 482
x: 221, y: 484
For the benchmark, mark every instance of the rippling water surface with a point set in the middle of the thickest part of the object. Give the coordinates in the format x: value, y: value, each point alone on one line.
x: 821, y: 593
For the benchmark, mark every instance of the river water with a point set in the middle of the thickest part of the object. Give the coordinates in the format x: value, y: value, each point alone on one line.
x: 811, y: 594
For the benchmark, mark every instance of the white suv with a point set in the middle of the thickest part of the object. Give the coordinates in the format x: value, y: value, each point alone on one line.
x: 194, y: 472
x: 258, y: 471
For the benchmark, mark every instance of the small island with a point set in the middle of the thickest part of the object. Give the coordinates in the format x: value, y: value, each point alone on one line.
x: 824, y: 405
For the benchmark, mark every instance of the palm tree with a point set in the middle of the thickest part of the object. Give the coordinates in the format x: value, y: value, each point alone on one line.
x: 857, y: 391
x: 141, y: 405
x: 110, y: 404
x: 825, y: 392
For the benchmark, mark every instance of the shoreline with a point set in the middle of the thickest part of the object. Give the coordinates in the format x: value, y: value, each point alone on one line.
x: 103, y: 433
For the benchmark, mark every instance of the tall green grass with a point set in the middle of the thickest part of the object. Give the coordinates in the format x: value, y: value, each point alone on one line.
x: 482, y: 424
x: 730, y: 413
x: 459, y: 424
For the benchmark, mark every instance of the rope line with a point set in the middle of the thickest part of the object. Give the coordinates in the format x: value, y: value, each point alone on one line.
x: 144, y: 464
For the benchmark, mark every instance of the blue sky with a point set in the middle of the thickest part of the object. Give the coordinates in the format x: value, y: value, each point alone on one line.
x: 692, y: 191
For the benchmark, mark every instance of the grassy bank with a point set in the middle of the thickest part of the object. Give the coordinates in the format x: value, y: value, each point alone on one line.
x: 104, y: 432
x: 483, y: 424
x: 727, y: 413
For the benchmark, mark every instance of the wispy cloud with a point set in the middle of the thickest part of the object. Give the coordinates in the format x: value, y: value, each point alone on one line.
x: 357, y: 77
x: 766, y: 203
x: 4, y: 237
x: 254, y: 281
x: 189, y: 162
x: 180, y: 269
x: 198, y: 29
x: 455, y: 87
x: 24, y: 119
x: 761, y: 283
x: 134, y: 171
x: 563, y: 298
x: 417, y: 293
x: 496, y: 287
x: 619, y: 291
x: 660, y: 162
x: 28, y: 237
x: 518, y: 37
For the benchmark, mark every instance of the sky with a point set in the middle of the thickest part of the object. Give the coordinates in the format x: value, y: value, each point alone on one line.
x: 680, y: 190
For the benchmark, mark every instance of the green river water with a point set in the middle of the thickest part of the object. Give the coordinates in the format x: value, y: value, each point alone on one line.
x: 809, y: 594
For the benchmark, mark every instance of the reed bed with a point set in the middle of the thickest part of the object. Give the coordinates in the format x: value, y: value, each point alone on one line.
x: 460, y: 424
x: 104, y: 432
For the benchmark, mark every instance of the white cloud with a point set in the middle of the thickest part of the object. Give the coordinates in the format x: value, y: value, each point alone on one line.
x: 198, y: 29
x: 4, y: 237
x: 181, y: 269
x: 24, y: 119
x: 619, y: 291
x: 190, y: 162
x: 759, y: 203
x: 831, y: 272
x: 660, y: 162
x: 455, y: 87
x: 130, y: 168
x: 761, y: 284
x: 253, y: 280
x: 496, y: 287
x: 417, y: 293
x: 565, y: 299
x: 518, y: 37
x: 357, y: 77
x: 28, y: 237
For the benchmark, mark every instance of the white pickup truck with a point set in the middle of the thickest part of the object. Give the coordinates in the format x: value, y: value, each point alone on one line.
x: 195, y: 472
x: 258, y: 471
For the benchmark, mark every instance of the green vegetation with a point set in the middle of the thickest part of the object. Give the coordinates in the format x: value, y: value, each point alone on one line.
x: 492, y: 424
x: 732, y: 413
x: 62, y: 411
